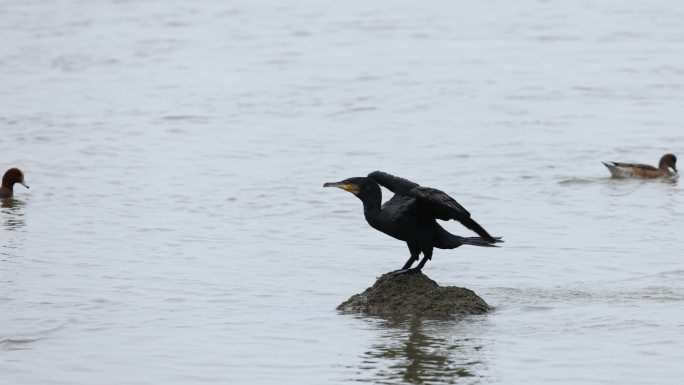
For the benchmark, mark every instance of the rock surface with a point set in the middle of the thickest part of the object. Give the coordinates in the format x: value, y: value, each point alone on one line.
x: 414, y: 294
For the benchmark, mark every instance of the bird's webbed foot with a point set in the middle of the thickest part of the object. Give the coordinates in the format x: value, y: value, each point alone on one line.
x: 414, y: 270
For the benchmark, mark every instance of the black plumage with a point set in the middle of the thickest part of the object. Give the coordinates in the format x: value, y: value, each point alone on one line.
x: 411, y: 214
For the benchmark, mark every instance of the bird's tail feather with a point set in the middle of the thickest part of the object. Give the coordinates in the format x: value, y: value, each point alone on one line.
x: 471, y: 224
x: 479, y: 241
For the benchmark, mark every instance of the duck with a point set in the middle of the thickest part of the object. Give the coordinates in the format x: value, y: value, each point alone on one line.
x: 666, y: 169
x: 12, y: 176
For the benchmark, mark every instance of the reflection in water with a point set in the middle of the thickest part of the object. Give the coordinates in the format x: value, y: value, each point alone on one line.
x: 17, y: 343
x: 12, y: 212
x: 673, y: 181
x: 618, y: 181
x: 422, y: 352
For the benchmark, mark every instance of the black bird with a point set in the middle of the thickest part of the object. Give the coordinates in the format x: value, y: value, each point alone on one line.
x: 411, y: 215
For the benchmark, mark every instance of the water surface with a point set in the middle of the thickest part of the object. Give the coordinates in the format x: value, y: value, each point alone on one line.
x: 176, y: 230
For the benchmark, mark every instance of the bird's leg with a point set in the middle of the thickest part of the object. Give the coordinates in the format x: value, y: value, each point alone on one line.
x: 415, y: 253
x: 410, y: 261
x: 427, y: 255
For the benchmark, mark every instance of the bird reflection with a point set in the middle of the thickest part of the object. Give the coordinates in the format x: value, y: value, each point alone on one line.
x: 12, y: 212
x: 420, y: 352
x: 672, y: 181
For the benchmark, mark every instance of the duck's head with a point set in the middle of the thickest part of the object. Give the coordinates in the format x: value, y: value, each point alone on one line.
x: 12, y: 176
x: 668, y: 162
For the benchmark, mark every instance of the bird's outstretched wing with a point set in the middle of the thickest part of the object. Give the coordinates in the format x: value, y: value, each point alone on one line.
x: 429, y: 201
x: 439, y: 203
x: 400, y: 207
x: 393, y: 183
x: 441, y: 206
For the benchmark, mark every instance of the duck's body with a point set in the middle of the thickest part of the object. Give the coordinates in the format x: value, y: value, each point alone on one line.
x: 411, y: 215
x: 666, y: 169
x: 12, y: 176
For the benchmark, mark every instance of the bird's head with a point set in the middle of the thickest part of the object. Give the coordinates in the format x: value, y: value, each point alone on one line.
x: 668, y: 162
x: 364, y: 188
x: 12, y: 176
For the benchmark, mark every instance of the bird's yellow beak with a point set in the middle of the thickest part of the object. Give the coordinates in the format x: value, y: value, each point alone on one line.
x: 351, y: 187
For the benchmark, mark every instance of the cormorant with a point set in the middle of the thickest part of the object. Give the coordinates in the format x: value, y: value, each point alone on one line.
x: 411, y: 214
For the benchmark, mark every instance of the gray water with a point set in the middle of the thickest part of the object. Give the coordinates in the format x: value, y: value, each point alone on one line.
x: 176, y: 230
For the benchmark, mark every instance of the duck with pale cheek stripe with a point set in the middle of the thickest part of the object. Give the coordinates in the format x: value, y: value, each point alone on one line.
x: 411, y: 215
x: 12, y: 176
x: 666, y: 169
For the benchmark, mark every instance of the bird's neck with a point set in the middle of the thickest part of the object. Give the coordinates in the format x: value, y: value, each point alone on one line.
x: 5, y: 192
x: 371, y: 207
x: 371, y: 201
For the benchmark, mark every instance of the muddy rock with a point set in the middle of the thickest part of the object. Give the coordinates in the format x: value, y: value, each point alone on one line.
x: 414, y: 294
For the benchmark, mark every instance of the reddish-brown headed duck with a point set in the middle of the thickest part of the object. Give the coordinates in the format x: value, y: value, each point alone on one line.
x: 666, y: 168
x: 12, y: 176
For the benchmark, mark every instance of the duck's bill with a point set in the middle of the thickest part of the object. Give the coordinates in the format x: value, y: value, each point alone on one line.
x: 24, y: 184
x: 352, y: 188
